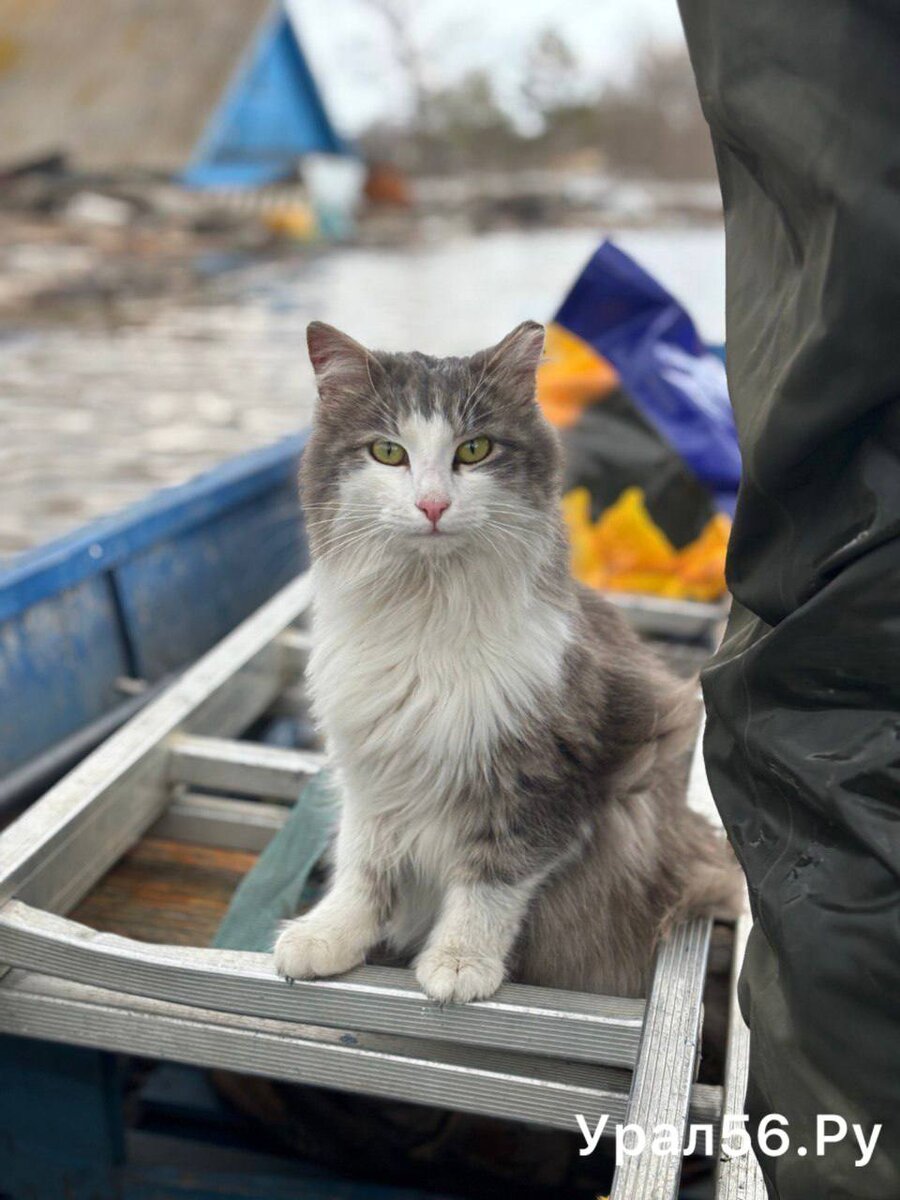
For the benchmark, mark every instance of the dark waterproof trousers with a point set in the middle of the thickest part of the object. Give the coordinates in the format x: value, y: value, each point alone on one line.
x: 803, y: 741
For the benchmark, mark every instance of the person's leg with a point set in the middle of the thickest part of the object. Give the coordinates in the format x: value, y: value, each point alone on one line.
x: 803, y: 741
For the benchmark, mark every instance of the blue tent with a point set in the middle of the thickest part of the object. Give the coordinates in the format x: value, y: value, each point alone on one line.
x: 270, y: 114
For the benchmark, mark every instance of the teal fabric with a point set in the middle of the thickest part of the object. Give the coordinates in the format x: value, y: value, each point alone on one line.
x: 279, y: 885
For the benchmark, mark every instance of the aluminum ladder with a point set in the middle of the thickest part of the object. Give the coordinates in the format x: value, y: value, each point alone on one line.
x: 532, y: 1054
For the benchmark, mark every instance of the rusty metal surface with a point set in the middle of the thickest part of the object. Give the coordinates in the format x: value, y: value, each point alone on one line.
x: 166, y: 891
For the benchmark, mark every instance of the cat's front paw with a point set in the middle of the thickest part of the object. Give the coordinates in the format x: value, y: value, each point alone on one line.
x: 309, y: 949
x: 452, y: 976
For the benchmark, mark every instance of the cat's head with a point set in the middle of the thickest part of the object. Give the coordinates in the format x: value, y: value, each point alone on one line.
x: 426, y: 457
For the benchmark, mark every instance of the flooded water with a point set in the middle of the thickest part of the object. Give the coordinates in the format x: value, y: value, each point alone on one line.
x: 92, y: 419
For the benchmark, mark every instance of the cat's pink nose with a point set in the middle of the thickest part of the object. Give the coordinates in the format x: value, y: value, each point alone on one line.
x: 433, y: 509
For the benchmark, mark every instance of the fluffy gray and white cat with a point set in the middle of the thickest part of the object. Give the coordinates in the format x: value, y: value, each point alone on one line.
x: 507, y: 751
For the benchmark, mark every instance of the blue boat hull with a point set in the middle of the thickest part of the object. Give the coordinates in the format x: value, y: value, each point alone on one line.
x: 140, y: 595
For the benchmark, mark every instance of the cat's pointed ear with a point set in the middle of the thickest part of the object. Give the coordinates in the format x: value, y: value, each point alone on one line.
x: 342, y: 365
x: 515, y: 358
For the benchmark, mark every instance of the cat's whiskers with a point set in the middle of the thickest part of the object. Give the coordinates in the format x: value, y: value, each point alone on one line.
x: 353, y: 518
x: 344, y: 545
x: 345, y: 538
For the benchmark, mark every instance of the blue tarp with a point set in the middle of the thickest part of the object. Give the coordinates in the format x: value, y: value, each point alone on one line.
x: 673, y: 378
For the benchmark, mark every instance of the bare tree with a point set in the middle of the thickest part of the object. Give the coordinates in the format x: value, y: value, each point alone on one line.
x: 651, y: 125
x: 549, y: 75
x: 399, y: 21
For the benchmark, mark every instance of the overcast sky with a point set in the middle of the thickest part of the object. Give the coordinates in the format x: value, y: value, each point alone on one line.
x: 351, y: 54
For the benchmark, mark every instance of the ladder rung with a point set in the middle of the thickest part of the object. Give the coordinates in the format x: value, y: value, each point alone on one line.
x: 248, y: 768
x: 543, y: 1022
x: 221, y: 821
x: 463, y: 1077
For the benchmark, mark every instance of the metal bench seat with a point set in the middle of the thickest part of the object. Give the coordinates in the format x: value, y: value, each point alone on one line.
x: 532, y: 1054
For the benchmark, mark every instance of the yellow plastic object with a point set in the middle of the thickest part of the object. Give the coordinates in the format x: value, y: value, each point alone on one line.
x: 576, y: 506
x: 571, y: 376
x: 296, y: 221
x: 702, y: 563
x: 626, y: 551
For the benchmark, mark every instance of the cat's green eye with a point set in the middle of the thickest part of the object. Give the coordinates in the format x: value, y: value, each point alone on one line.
x: 391, y: 454
x: 475, y: 450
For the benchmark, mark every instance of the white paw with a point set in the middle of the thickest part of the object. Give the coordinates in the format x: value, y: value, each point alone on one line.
x: 451, y: 975
x: 307, y: 949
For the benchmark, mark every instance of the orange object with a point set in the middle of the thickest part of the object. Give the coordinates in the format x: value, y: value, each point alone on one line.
x: 626, y: 551
x: 572, y: 376
x: 702, y: 563
x: 388, y: 185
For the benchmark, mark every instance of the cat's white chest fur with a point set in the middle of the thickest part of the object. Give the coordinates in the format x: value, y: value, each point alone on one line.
x: 413, y: 689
